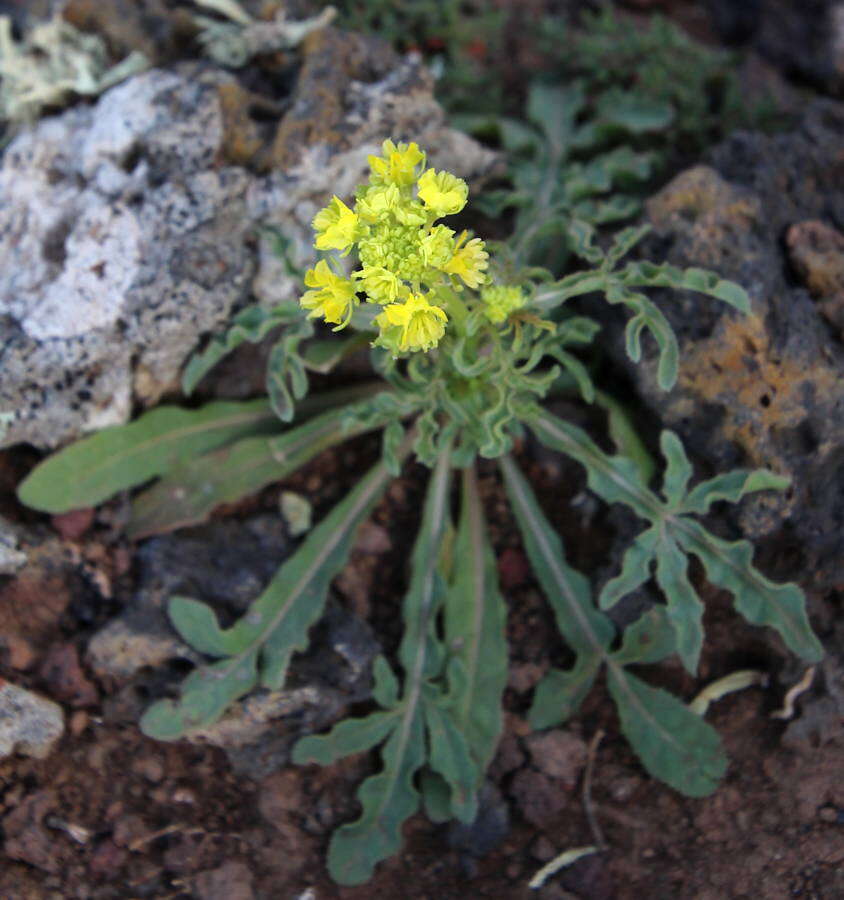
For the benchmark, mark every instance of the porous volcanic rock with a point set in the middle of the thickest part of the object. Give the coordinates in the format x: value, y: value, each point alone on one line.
x: 766, y: 389
x: 129, y: 226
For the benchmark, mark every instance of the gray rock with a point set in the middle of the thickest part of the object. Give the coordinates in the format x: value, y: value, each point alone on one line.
x: 126, y: 237
x: 11, y: 558
x: 765, y: 389
x: 803, y: 39
x: 29, y: 724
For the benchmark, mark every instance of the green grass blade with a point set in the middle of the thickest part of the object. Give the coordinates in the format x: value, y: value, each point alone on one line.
x: 95, y: 468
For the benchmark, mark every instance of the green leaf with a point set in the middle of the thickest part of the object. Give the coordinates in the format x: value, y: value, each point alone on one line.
x: 95, y: 468
x: 449, y: 757
x: 678, y: 469
x: 388, y: 800
x: 287, y: 379
x: 553, y: 109
x: 648, y: 274
x: 190, y: 492
x: 436, y: 796
x: 586, y: 630
x: 762, y: 602
x: 474, y: 622
x: 732, y: 486
x: 251, y: 324
x: 345, y: 739
x: 197, y: 625
x: 673, y: 743
x: 614, y: 478
x: 650, y: 639
x: 635, y: 569
x: 684, y: 609
x: 560, y: 693
x: 634, y: 112
x: 385, y: 687
x: 276, y: 625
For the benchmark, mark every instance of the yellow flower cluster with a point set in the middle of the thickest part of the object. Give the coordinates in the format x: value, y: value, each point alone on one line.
x: 404, y: 256
x: 501, y: 300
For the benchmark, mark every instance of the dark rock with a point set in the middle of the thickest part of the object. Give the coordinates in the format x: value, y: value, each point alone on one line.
x: 65, y: 679
x: 803, y: 40
x: 489, y: 829
x: 765, y: 389
x: 539, y: 799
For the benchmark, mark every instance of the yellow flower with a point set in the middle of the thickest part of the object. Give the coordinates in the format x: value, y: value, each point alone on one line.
x: 380, y: 284
x: 334, y: 298
x: 412, y: 325
x: 438, y: 246
x: 380, y: 199
x: 336, y: 227
x: 469, y: 261
x: 501, y: 300
x: 442, y: 192
x: 397, y: 165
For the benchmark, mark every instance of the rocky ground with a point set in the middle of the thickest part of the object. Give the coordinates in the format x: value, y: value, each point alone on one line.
x: 89, y: 808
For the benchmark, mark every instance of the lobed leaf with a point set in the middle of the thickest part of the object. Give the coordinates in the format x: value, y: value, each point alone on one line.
x: 762, y: 602
x: 251, y: 324
x: 346, y: 738
x: 276, y: 625
x: 114, y: 459
x: 388, y: 800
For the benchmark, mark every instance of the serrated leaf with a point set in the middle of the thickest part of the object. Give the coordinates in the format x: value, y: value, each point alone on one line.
x: 762, y: 602
x: 276, y: 624
x: 251, y: 324
x: 449, y: 757
x: 559, y: 694
x: 685, y: 611
x: 189, y: 493
x: 345, y: 739
x: 673, y: 743
x: 474, y: 623
x: 388, y: 800
x: 96, y: 467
